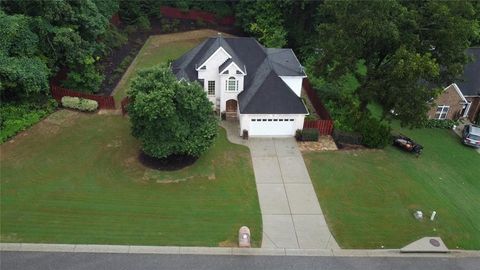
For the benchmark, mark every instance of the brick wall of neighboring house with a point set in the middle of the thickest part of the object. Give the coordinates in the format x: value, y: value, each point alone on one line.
x: 474, y: 108
x: 449, y: 97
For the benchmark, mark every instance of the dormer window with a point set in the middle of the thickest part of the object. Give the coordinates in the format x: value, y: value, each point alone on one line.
x: 232, y: 84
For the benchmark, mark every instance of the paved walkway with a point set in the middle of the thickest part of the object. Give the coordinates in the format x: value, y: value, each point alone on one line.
x: 291, y: 214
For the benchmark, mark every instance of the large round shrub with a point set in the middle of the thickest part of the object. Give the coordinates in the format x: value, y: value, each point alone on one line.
x: 170, y: 117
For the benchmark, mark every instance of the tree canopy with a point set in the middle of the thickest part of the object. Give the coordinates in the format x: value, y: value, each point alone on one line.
x: 410, y: 49
x: 170, y: 117
x: 55, y: 34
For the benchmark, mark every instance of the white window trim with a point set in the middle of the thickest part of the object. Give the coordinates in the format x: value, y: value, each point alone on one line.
x: 235, y: 84
x: 208, y: 89
x: 442, y: 112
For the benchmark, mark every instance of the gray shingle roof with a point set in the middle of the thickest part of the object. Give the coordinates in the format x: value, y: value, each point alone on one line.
x: 272, y: 96
x: 469, y: 84
x: 264, y: 91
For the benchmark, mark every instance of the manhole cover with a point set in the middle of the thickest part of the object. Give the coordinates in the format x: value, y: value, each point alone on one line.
x: 434, y: 242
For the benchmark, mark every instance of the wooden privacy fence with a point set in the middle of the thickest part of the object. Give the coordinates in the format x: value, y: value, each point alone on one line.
x: 175, y: 13
x: 104, y: 102
x: 315, y: 100
x: 325, y: 127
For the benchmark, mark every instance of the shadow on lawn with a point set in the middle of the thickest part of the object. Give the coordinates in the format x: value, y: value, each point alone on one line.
x: 170, y: 163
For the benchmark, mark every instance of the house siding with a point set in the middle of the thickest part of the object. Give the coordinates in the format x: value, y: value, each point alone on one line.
x: 294, y: 82
x: 474, y: 111
x: 210, y: 73
x: 449, y: 97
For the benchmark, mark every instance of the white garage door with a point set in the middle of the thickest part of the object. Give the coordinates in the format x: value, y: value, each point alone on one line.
x: 272, y: 127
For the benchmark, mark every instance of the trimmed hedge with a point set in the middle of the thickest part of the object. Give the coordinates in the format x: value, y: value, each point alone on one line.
x: 307, y: 135
x: 82, y: 104
x: 436, y: 123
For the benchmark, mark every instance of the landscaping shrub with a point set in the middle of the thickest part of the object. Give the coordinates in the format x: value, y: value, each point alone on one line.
x: 375, y: 133
x: 16, y: 117
x: 114, y: 39
x: 87, y: 79
x: 436, y: 123
x: 81, y: 104
x: 310, y: 134
x: 143, y: 23
x: 347, y: 137
x: 298, y: 134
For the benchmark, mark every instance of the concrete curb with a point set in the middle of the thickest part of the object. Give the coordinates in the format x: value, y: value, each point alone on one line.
x: 119, y: 249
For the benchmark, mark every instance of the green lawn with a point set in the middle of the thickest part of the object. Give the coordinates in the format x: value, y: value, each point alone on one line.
x: 75, y: 178
x: 369, y: 196
x: 160, y: 49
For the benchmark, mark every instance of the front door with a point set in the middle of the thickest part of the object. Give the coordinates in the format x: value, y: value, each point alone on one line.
x: 231, y: 106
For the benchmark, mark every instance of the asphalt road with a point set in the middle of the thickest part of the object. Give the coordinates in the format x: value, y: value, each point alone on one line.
x: 93, y: 261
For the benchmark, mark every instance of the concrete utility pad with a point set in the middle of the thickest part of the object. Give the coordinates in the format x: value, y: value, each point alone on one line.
x: 426, y: 245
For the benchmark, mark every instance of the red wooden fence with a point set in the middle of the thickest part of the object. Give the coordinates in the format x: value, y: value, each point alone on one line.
x: 104, y: 102
x: 175, y: 13
x: 325, y: 127
x: 315, y: 100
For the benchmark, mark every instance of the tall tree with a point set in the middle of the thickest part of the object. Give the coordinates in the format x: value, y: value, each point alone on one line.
x: 22, y: 71
x: 68, y: 34
x: 263, y: 19
x: 170, y: 117
x: 406, y: 48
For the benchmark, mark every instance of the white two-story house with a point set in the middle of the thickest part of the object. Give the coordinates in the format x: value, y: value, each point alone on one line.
x: 260, y: 86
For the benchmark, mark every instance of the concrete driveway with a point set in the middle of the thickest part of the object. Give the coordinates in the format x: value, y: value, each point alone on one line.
x: 291, y: 214
x: 292, y: 217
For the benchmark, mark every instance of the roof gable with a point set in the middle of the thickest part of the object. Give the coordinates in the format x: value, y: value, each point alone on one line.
x: 227, y: 64
x: 219, y: 49
x: 264, y: 67
x: 273, y: 96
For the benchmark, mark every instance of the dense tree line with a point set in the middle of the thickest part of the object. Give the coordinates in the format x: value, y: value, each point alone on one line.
x: 54, y: 34
x: 400, y: 53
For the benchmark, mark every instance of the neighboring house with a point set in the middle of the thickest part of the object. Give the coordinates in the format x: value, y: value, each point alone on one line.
x: 462, y: 98
x: 260, y: 86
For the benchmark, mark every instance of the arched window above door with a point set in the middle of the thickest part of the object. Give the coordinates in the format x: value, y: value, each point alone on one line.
x: 232, y: 84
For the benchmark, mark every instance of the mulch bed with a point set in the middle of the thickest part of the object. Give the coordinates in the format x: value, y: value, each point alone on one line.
x: 170, y: 163
x: 137, y: 39
x: 324, y: 143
